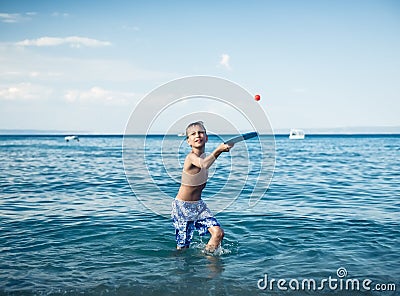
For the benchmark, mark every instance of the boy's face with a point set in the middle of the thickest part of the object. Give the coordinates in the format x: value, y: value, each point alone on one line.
x: 197, y: 136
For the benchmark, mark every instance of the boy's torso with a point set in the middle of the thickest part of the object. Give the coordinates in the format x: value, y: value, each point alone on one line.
x: 193, y: 182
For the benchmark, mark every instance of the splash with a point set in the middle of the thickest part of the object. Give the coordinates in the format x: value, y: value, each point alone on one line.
x: 220, y: 251
x: 224, y: 249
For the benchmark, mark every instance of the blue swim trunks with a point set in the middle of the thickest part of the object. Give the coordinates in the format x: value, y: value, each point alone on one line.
x: 188, y: 216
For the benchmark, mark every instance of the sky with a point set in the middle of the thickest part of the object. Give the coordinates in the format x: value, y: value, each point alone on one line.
x: 85, y: 65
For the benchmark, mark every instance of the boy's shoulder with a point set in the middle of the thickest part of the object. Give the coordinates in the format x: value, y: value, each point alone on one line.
x: 190, y: 155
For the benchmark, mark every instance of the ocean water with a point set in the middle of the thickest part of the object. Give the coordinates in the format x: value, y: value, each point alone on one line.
x: 70, y: 223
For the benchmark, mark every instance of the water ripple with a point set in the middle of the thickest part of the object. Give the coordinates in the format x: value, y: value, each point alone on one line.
x: 70, y: 223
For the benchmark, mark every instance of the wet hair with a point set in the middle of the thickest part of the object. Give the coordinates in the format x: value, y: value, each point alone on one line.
x: 197, y: 123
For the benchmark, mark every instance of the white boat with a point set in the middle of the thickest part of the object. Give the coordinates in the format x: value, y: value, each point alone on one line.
x: 296, y: 134
x: 71, y: 138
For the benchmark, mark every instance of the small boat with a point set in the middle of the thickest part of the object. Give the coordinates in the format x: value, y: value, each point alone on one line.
x: 181, y: 135
x: 296, y: 134
x: 71, y: 138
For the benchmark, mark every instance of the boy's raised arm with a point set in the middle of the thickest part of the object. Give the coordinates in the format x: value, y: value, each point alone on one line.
x: 209, y: 160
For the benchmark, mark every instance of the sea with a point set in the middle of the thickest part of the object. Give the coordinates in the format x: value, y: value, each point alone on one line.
x: 77, y: 218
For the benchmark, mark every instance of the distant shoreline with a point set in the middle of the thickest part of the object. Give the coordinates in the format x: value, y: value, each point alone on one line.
x: 342, y: 131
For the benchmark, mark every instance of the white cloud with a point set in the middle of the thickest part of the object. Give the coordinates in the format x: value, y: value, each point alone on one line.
x: 98, y: 95
x: 224, y: 62
x: 16, y: 17
x: 60, y: 14
x: 9, y: 17
x: 24, y: 91
x: 72, y: 41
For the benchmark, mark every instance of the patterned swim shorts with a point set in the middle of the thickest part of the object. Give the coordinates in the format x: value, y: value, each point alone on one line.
x: 188, y: 216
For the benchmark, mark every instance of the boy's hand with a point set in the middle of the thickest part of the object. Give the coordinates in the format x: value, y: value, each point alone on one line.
x: 225, y: 147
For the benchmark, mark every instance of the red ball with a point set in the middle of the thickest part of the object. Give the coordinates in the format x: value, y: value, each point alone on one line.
x: 257, y: 97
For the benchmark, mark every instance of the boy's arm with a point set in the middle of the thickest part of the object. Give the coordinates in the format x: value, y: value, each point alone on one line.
x: 209, y: 160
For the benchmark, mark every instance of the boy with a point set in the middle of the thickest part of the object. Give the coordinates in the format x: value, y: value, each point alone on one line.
x: 189, y: 211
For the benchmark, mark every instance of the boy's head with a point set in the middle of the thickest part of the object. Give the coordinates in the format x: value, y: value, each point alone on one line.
x: 194, y: 124
x: 196, y: 134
